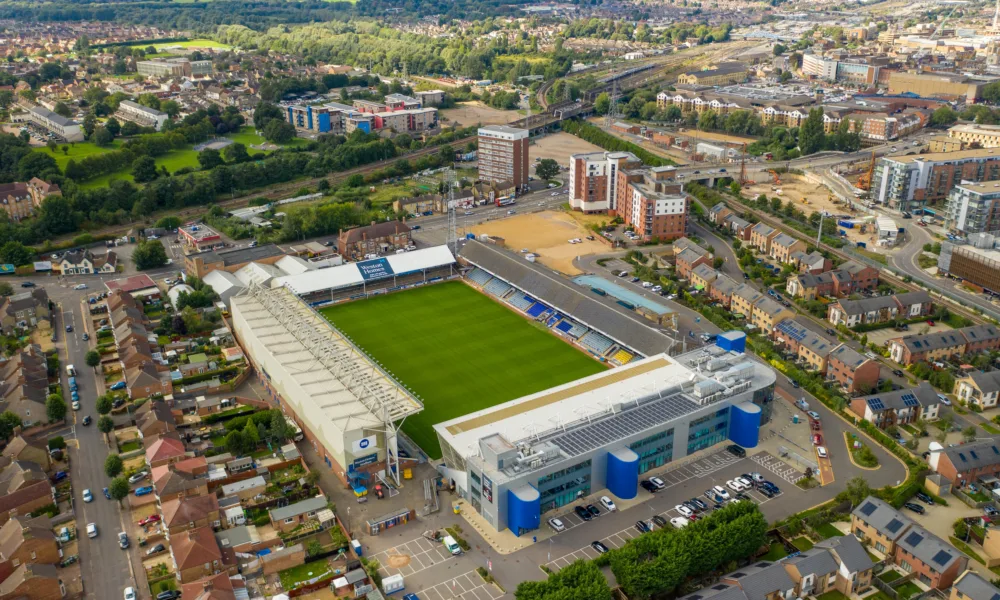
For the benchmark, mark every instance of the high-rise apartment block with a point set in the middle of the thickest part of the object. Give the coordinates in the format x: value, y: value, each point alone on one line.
x: 593, y: 179
x: 652, y: 202
x: 503, y: 155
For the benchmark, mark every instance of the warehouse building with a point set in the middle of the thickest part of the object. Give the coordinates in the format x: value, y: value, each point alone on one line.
x: 518, y: 460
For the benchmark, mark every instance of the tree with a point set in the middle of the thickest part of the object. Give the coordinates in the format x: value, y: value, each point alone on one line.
x: 57, y: 443
x: 149, y: 254
x: 102, y: 137
x: 264, y: 113
x: 93, y: 358
x: 811, y: 134
x: 602, y: 104
x: 8, y: 422
x: 51, y: 145
x: 55, y: 408
x: 6, y: 289
x: 251, y: 437
x: 279, y: 132
x: 36, y: 164
x: 104, y: 404
x: 144, y: 169
x: 119, y: 488
x: 969, y: 433
x: 779, y: 49
x: 209, y: 158
x: 546, y: 168
x: 237, y: 153
x: 171, y: 107
x: 944, y: 116
x: 113, y: 126
x: 105, y: 424
x: 113, y: 465
x: 16, y: 253
x: 234, y: 443
x: 279, y: 429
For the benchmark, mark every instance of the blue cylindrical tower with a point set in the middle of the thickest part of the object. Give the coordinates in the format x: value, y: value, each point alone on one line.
x: 623, y: 473
x: 524, y: 509
x: 744, y: 424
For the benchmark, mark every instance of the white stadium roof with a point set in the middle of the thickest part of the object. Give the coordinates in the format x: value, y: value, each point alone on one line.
x: 351, y: 273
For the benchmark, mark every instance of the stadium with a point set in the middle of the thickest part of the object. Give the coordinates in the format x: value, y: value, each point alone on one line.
x: 526, y: 389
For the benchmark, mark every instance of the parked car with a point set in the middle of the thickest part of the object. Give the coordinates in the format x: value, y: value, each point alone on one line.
x: 944, y: 399
x: 698, y: 503
x: 898, y: 373
x: 155, y: 549
x: 593, y: 510
x: 679, y: 522
x: 147, y: 489
x: 736, y: 450
x: 821, y: 451
x: 170, y: 595
x: 582, y: 512
x: 601, y: 548
x: 27, y: 284
x: 813, y: 415
x: 915, y: 507
x: 643, y: 526
x: 150, y: 519
x: 556, y: 525
x: 648, y: 486
x: 926, y: 499
x: 657, y: 482
x: 59, y: 476
x: 720, y: 491
x: 734, y: 485
x: 118, y: 385
x: 660, y: 521
x: 687, y: 512
x: 81, y: 286
x: 608, y: 504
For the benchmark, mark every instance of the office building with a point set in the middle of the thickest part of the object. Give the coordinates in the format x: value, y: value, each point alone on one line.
x: 652, y: 202
x: 907, y: 183
x: 518, y: 460
x: 174, y: 67
x: 503, y: 155
x: 142, y: 116
x: 987, y: 136
x: 973, y: 208
x: 593, y: 177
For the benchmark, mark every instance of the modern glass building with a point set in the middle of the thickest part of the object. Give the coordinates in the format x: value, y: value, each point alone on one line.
x: 519, y: 460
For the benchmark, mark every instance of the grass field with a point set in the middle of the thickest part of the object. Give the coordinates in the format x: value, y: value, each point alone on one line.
x: 77, y: 151
x: 458, y: 350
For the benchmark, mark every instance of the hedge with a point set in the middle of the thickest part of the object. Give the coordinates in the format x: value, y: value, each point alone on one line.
x: 208, y: 375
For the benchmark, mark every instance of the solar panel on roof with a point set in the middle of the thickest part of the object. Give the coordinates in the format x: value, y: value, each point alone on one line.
x: 914, y: 538
x: 941, y: 557
x: 876, y: 404
x: 868, y: 509
x: 909, y: 400
x: 737, y: 575
x: 894, y: 525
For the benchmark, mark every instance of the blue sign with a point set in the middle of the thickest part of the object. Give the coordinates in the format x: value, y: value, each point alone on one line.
x: 365, y: 460
x: 375, y: 269
x: 363, y: 444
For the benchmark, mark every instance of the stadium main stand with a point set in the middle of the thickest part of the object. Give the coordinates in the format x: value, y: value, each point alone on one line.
x: 622, y: 357
x: 479, y: 276
x: 520, y: 301
x: 618, y: 324
x: 596, y: 343
x: 497, y: 287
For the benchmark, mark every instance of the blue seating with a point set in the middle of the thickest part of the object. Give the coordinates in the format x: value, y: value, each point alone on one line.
x: 536, y: 310
x: 596, y: 342
x: 497, y: 287
x: 520, y: 301
x: 479, y: 276
x: 554, y: 319
x: 564, y: 326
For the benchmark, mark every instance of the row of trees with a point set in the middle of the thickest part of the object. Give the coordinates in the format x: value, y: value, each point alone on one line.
x: 625, y: 30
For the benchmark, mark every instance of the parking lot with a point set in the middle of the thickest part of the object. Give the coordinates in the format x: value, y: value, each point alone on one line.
x: 412, y: 557
x: 467, y: 586
x: 705, y: 473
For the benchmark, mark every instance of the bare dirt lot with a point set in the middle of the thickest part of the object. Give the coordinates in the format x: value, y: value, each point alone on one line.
x: 546, y: 234
x: 559, y: 147
x: 471, y: 113
x: 819, y: 198
x: 706, y: 136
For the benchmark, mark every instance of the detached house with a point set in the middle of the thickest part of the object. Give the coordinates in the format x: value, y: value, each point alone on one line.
x: 979, y: 388
x: 25, y: 310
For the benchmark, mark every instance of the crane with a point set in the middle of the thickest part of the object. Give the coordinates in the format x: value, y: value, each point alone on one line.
x: 865, y: 181
x: 940, y: 27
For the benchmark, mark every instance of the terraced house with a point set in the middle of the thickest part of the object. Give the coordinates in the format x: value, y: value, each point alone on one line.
x: 899, y: 407
x: 944, y: 345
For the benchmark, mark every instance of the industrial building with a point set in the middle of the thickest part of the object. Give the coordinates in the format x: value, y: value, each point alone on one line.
x: 503, y: 155
x: 593, y: 178
x: 723, y: 74
x: 143, y: 116
x: 977, y: 262
x: 908, y: 183
x: 951, y: 86
x: 517, y: 460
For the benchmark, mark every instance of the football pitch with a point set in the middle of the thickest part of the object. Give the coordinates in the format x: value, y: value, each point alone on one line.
x: 458, y: 350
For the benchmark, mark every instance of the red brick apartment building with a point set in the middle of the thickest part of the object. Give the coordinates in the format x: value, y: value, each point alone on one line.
x: 593, y: 177
x: 653, y: 203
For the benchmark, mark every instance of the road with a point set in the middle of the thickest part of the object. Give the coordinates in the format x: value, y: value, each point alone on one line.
x: 104, y: 572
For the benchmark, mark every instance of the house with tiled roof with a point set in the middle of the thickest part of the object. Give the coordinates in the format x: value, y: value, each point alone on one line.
x: 165, y: 451
x: 190, y: 512
x: 32, y: 581
x: 767, y: 313
x: 24, y: 539
x: 171, y: 485
x: 979, y: 388
x: 853, y: 371
x: 880, y: 524
x: 146, y: 381
x: 866, y: 311
x: 973, y: 586
x: 855, y: 565
x: 805, y: 343
x: 782, y: 247
x: 722, y: 289
x: 968, y: 462
x: 25, y: 310
x: 20, y: 449
x: 702, y: 277
x: 936, y: 562
x: 156, y: 419
x: 761, y: 236
x: 195, y: 554
x: 898, y: 407
x: 689, y: 258
x: 215, y: 587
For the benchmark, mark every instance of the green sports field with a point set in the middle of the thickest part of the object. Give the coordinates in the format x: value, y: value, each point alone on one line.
x: 458, y: 350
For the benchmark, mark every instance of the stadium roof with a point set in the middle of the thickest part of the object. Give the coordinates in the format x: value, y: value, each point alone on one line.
x: 597, y: 313
x: 351, y: 273
x: 323, y: 377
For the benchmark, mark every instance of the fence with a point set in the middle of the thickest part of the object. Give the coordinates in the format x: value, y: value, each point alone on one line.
x: 969, y: 500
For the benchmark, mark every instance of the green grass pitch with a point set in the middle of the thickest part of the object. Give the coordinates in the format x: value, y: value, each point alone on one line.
x: 458, y: 350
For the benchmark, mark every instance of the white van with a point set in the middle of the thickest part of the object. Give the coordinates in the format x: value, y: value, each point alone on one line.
x: 71, y: 370
x: 452, y: 545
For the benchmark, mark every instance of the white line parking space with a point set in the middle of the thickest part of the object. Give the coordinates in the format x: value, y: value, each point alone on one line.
x: 777, y: 466
x: 467, y: 586
x: 411, y: 557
